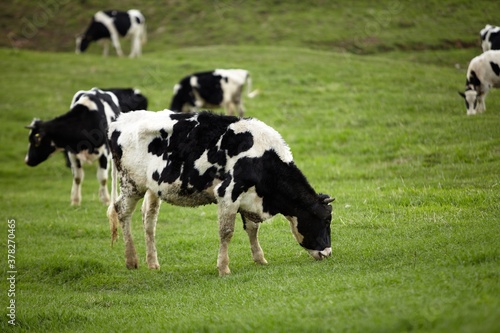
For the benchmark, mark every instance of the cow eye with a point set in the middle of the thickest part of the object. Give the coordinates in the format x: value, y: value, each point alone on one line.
x: 38, y: 139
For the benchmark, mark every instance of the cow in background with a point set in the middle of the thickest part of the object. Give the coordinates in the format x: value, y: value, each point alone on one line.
x: 193, y: 159
x: 482, y: 75
x: 213, y: 89
x: 81, y: 134
x: 111, y: 25
x: 490, y: 38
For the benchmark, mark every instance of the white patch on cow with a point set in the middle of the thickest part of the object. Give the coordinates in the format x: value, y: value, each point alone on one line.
x: 177, y: 87
x: 193, y: 81
x: 250, y: 201
x: 202, y: 164
x: 265, y: 138
x: 295, y: 230
x: 86, y: 101
x: 238, y: 76
x: 86, y: 157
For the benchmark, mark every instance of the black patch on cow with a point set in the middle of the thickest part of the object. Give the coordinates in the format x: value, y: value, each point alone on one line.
x: 121, y: 21
x: 208, y: 88
x: 221, y: 191
x: 129, y: 99
x: 155, y: 176
x: 158, y: 146
x: 235, y: 144
x: 116, y: 149
x: 103, y: 161
x: 473, y: 79
x: 495, y: 40
x: 216, y: 156
x: 191, y: 136
x: 495, y: 68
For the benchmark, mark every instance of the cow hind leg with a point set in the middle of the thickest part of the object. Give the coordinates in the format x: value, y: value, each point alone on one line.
x: 123, y: 208
x: 102, y: 177
x: 252, y: 230
x: 226, y: 230
x: 150, y: 209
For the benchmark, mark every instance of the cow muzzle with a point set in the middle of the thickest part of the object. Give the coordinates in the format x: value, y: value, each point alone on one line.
x: 320, y: 255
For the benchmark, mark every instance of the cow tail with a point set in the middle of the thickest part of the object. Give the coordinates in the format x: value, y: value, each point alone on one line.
x: 250, y: 93
x: 112, y: 214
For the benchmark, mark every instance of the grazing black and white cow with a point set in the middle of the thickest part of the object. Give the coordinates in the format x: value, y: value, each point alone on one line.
x: 192, y: 159
x: 490, y: 38
x: 81, y: 133
x: 482, y: 75
x: 213, y: 89
x: 129, y: 99
x: 111, y: 25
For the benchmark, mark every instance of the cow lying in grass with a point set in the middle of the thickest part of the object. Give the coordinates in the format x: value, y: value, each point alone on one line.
x: 191, y: 159
x: 81, y: 134
x: 482, y: 75
x: 214, y: 89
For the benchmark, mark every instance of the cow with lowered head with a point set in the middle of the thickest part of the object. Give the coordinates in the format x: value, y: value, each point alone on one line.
x: 192, y: 159
x: 482, y: 75
x: 111, y: 25
x: 213, y: 89
x: 81, y: 134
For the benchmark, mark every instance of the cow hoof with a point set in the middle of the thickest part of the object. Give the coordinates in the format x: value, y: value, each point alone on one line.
x: 132, y: 265
x: 154, y: 266
x: 261, y: 261
x: 224, y: 272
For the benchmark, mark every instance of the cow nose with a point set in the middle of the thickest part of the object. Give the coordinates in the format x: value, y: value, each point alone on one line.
x: 326, y: 252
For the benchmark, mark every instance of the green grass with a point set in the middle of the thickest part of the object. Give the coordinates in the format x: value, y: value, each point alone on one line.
x: 415, y: 225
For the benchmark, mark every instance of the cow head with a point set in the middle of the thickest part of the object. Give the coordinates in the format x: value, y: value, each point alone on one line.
x: 82, y: 43
x: 183, y: 99
x: 470, y: 97
x: 312, y: 228
x: 40, y: 146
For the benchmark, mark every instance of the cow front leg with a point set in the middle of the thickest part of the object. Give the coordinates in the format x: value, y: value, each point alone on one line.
x: 105, y: 47
x: 102, y: 177
x: 481, y: 106
x: 150, y: 209
x: 78, y: 175
x: 116, y: 44
x: 252, y: 230
x: 124, y: 207
x: 226, y: 230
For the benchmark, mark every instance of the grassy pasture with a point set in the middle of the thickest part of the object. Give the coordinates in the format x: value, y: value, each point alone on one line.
x: 416, y: 221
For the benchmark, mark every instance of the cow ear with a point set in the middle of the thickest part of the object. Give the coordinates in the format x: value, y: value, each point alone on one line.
x: 325, y: 198
x: 328, y: 200
x: 461, y: 94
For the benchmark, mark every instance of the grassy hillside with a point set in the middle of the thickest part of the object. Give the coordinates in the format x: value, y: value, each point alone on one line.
x: 417, y: 217
x: 361, y: 27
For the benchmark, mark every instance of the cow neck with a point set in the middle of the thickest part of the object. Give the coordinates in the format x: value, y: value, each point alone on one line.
x: 291, y: 191
x: 71, y: 126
